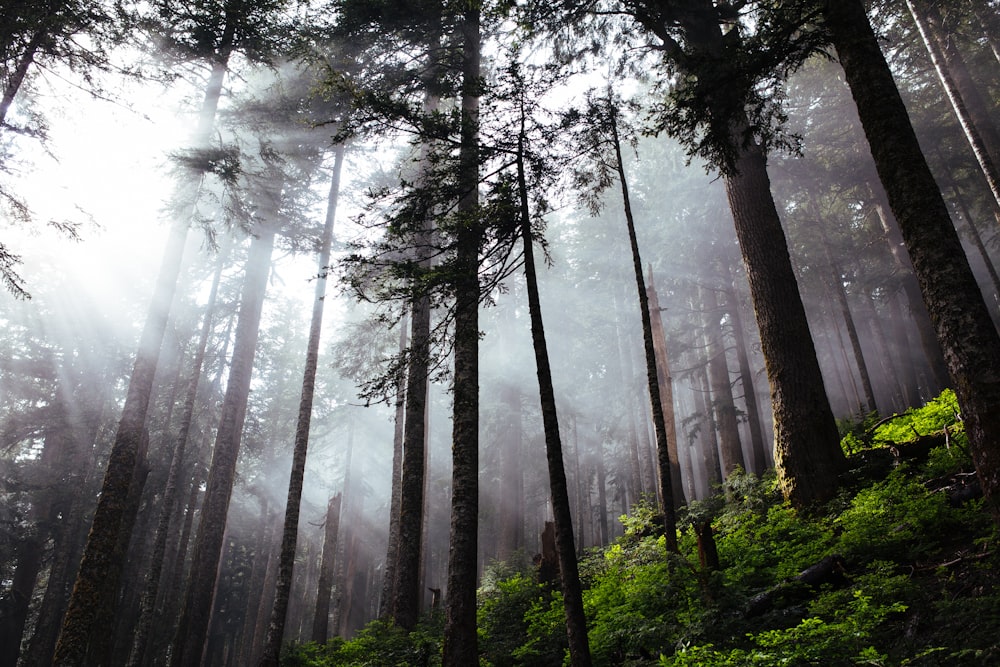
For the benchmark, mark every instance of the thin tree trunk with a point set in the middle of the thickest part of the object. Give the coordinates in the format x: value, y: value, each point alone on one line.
x: 290, y: 533
x: 193, y: 625
x: 17, y: 77
x: 970, y: 107
x: 840, y: 296
x: 460, y: 639
x: 911, y: 291
x: 962, y: 321
x: 576, y: 621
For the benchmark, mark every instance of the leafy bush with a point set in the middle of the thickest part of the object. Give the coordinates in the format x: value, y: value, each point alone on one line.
x: 379, y: 644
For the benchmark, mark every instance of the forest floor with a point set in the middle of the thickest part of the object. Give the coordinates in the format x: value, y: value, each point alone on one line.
x: 902, y: 568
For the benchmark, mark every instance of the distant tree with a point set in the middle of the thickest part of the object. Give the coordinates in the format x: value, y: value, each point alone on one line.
x: 965, y: 331
x: 602, y: 139
x: 963, y: 93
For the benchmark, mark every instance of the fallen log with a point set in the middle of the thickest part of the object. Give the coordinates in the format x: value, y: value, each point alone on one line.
x: 830, y: 570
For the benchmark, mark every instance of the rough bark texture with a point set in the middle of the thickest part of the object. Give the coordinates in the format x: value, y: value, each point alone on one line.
x: 460, y: 640
x: 108, y: 526
x: 405, y: 603
x: 576, y: 621
x: 290, y: 531
x: 967, y: 336
x: 807, y: 450
x: 197, y: 607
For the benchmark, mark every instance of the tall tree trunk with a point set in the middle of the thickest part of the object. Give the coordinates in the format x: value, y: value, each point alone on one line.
x: 108, y: 524
x: 970, y: 107
x: 723, y: 405
x: 290, y: 532
x: 663, y: 467
x: 964, y: 328
x: 169, y: 502
x: 840, y: 296
x: 321, y: 619
x: 197, y: 607
x: 460, y: 640
x: 666, y: 383
x: 807, y: 450
x: 392, y: 544
x: 576, y: 621
x: 709, y: 432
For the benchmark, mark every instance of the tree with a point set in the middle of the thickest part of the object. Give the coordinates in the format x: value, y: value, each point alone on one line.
x: 965, y: 331
x: 719, y: 109
x: 969, y: 105
x: 460, y: 639
x: 289, y: 538
x: 576, y: 620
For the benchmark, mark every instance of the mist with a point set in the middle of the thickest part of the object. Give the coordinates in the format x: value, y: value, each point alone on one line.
x: 99, y: 167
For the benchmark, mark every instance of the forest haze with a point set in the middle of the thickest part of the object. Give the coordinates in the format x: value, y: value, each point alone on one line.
x: 324, y: 312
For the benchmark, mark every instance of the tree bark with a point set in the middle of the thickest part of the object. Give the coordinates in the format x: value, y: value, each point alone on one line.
x: 169, y: 502
x: 460, y: 639
x: 392, y: 544
x: 964, y: 329
x: 723, y: 405
x: 193, y: 625
x: 760, y: 461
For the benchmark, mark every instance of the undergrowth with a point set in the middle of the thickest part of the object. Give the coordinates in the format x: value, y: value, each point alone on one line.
x: 914, y: 580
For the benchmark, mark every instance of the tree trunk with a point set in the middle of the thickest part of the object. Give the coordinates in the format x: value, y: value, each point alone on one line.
x: 193, y: 625
x: 321, y: 619
x: 169, y: 502
x: 970, y: 107
x: 723, y: 405
x: 290, y: 532
x: 511, y: 476
x: 840, y: 296
x: 460, y: 640
x: 107, y: 527
x: 666, y: 383
x: 807, y: 450
x: 663, y: 463
x: 965, y: 331
x: 760, y: 461
x: 392, y: 544
x: 576, y: 621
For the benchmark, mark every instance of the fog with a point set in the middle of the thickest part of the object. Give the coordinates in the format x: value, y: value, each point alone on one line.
x: 108, y: 171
